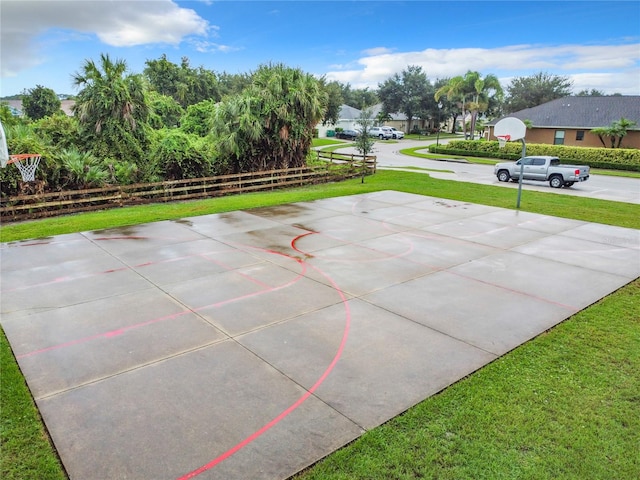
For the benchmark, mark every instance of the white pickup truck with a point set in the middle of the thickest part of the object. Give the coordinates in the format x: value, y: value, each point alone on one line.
x: 544, y: 169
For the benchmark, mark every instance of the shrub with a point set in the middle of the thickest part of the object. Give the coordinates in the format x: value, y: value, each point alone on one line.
x: 180, y: 155
x: 59, y: 130
x: 21, y: 138
x: 82, y: 170
x: 197, y: 118
x: 615, y: 159
x: 123, y: 172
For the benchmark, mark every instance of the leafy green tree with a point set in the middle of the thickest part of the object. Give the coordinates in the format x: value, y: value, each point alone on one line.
x: 164, y: 111
x: 180, y: 155
x: 383, y: 117
x: 59, y: 129
x: 231, y: 84
x: 592, y: 93
x: 409, y: 92
x: 197, y: 118
x: 446, y: 109
x: 270, y: 125
x: 527, y: 92
x: 359, y: 98
x: 454, y: 93
x: 112, y: 109
x: 615, y: 132
x: 7, y: 118
x: 185, y: 84
x: 40, y: 102
x: 164, y: 76
x: 364, y: 142
x: 334, y: 102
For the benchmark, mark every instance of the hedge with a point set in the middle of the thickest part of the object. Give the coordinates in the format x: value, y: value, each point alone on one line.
x: 610, y: 158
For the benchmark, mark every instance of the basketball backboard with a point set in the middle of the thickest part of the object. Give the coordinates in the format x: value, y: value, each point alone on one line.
x: 510, y: 129
x: 4, y: 152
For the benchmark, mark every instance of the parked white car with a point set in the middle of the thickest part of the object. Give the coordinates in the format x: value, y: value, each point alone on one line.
x: 397, y: 134
x: 383, y: 133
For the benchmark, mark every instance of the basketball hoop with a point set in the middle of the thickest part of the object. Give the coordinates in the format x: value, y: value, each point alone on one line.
x: 27, y: 163
x: 506, y: 130
x: 503, y: 139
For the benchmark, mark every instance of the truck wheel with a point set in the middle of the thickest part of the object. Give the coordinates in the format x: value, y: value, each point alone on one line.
x: 556, y: 181
x: 568, y: 184
x: 381, y: 137
x: 503, y: 176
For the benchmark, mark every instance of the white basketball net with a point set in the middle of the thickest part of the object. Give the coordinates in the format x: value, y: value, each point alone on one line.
x: 502, y: 140
x: 27, y: 164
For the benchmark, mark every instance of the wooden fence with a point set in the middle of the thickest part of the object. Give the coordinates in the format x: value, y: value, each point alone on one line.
x: 23, y: 207
x: 352, y: 159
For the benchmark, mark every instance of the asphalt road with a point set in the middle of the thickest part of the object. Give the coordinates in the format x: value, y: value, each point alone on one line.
x: 604, y: 187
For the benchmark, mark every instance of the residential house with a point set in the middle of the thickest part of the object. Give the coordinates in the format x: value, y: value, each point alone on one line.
x: 569, y: 120
x: 349, y: 116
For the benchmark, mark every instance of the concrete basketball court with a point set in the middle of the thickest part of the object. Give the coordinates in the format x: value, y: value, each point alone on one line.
x: 248, y: 345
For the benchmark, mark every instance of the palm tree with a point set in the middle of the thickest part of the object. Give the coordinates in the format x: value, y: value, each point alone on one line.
x: 473, y: 93
x: 454, y: 91
x: 270, y: 125
x: 111, y: 108
x: 482, y: 88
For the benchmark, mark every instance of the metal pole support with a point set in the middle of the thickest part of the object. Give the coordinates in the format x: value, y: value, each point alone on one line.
x: 524, y: 153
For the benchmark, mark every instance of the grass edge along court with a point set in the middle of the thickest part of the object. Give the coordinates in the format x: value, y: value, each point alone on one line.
x: 564, y: 405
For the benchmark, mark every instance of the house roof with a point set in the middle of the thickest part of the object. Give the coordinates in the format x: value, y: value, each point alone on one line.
x: 348, y: 113
x: 581, y: 112
x: 351, y: 113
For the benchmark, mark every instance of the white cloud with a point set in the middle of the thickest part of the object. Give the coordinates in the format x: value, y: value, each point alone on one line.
x: 116, y: 23
x: 377, y: 51
x: 204, y: 46
x: 610, y: 68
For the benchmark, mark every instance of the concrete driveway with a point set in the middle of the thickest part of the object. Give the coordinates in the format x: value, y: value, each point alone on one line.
x: 248, y: 345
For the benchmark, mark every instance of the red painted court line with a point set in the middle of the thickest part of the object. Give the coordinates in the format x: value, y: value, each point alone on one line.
x: 122, y: 330
x: 109, y: 334
x: 68, y: 278
x: 293, y: 406
x: 388, y: 256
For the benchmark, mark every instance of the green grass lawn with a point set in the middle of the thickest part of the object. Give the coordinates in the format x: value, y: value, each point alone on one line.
x: 565, y: 405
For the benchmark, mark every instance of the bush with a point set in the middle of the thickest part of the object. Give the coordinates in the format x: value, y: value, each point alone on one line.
x: 21, y: 138
x: 82, y: 170
x: 10, y: 179
x: 614, y: 159
x: 196, y: 120
x: 180, y: 155
x: 59, y: 130
x: 123, y: 172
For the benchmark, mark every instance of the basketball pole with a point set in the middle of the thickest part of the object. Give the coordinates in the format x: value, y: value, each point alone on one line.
x: 524, y: 154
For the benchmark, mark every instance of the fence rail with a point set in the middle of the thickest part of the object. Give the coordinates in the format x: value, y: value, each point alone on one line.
x: 352, y: 159
x: 24, y: 207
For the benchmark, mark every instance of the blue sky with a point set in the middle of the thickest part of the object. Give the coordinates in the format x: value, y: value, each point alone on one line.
x: 594, y: 43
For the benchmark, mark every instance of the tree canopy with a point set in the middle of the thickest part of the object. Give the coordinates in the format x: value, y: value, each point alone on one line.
x: 175, y: 121
x: 527, y: 92
x: 40, y: 102
x: 410, y: 92
x: 471, y: 94
x: 111, y: 109
x: 270, y: 124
